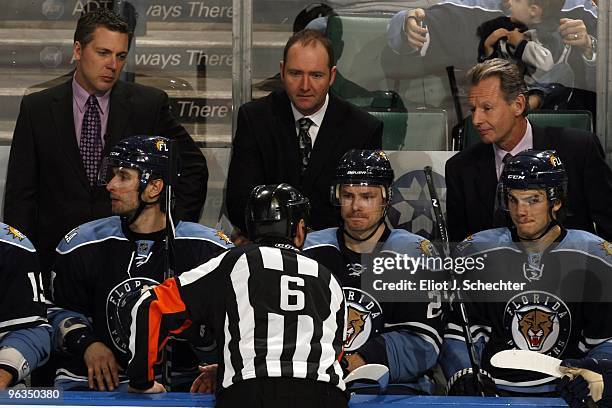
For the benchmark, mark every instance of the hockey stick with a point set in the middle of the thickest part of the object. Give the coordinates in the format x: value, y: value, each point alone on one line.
x: 441, y: 224
x: 457, y: 132
x: 538, y: 362
x: 169, y: 250
x: 373, y: 372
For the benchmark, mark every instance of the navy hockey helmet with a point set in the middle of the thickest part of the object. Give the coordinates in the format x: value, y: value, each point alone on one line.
x: 147, y: 154
x: 365, y: 168
x: 533, y: 169
x: 274, y: 211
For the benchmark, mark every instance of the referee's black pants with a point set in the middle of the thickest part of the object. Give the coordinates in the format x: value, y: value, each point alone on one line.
x: 282, y: 393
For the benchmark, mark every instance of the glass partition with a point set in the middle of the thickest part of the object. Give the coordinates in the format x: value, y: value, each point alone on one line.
x: 186, y: 48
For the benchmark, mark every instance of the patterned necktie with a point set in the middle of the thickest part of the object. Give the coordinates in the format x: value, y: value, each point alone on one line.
x: 91, y: 143
x: 305, y: 142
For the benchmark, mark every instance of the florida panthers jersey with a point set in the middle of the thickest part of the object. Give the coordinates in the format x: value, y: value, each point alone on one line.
x: 24, y: 334
x: 403, y: 336
x: 556, y: 305
x: 100, y: 262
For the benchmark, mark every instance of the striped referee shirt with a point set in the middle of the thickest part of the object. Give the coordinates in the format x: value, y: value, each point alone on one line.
x: 273, y: 312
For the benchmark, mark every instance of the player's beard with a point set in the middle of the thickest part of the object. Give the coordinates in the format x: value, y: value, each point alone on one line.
x: 357, y: 228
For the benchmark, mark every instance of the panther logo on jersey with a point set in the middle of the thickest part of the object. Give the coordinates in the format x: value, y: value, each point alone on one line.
x: 221, y: 235
x: 537, y: 321
x: 535, y: 326
x: 355, y: 323
x: 14, y: 233
x: 364, y: 318
x: 114, y: 308
x: 426, y: 247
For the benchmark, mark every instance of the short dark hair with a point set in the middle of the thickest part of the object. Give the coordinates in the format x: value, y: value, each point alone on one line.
x: 512, y: 82
x: 307, y: 37
x: 99, y: 17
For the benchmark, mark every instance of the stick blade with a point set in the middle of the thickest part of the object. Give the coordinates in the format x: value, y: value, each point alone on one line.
x: 372, y: 372
x: 527, y: 360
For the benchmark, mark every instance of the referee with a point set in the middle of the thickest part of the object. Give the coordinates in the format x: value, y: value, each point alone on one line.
x: 277, y: 316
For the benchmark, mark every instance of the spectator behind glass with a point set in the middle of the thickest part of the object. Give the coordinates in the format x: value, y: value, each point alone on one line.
x: 444, y: 35
x: 531, y: 39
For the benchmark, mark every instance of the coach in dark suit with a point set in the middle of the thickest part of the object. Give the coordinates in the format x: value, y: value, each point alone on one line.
x: 498, y: 105
x: 62, y: 132
x: 298, y: 135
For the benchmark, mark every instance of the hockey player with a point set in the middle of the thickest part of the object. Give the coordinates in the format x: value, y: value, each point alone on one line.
x: 402, y: 336
x: 553, y: 307
x: 24, y: 334
x: 100, y: 261
x: 277, y: 316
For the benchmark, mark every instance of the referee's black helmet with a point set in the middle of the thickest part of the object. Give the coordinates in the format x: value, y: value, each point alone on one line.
x: 275, y: 211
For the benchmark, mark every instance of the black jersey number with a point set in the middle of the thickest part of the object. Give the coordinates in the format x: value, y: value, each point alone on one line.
x: 291, y: 300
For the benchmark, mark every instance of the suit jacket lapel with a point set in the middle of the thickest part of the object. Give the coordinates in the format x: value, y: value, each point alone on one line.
x: 541, y: 141
x: 326, y: 140
x: 61, y: 108
x: 288, y: 146
x: 118, y: 116
x: 485, y: 179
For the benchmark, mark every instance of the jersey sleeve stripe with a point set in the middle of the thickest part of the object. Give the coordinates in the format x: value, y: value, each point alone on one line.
x: 29, y: 321
x: 191, y: 276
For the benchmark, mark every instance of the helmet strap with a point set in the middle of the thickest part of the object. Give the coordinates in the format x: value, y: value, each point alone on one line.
x: 551, y: 224
x: 141, y: 206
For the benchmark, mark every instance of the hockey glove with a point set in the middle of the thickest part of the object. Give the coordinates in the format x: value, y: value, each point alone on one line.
x: 463, y: 383
x: 596, y: 373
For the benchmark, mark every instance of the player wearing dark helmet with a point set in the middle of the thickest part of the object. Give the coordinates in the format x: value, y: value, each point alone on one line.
x: 547, y: 283
x: 404, y: 337
x: 102, y: 260
x: 145, y: 159
x: 277, y: 316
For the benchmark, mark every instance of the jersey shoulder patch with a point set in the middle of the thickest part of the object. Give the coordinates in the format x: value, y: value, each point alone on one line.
x: 192, y: 230
x: 406, y: 243
x: 12, y: 236
x: 586, y: 242
x: 326, y: 237
x: 92, y: 232
x: 485, y: 241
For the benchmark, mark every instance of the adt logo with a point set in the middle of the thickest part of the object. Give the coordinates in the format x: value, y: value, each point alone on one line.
x: 51, y: 56
x: 53, y: 9
x: 411, y: 207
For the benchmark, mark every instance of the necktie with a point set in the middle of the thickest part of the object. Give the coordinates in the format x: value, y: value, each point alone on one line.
x: 91, y: 143
x: 505, y: 160
x: 304, y: 141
